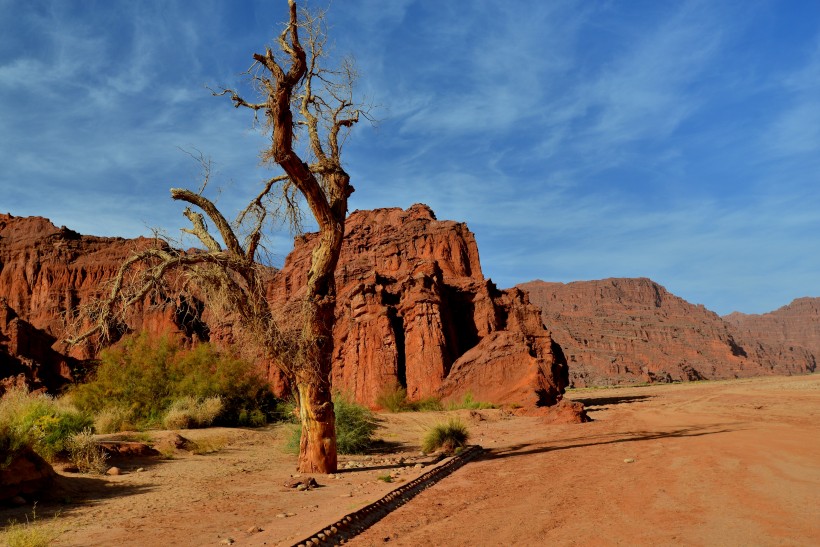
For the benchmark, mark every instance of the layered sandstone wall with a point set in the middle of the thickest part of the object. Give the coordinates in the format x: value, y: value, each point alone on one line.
x: 621, y: 331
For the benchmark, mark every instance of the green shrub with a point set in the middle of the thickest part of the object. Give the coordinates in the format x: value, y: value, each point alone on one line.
x: 37, y: 421
x: 355, y: 427
x: 138, y: 381
x: 445, y: 436
x: 394, y: 399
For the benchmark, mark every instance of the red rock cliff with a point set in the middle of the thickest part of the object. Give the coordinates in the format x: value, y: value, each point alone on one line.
x: 617, y: 331
x: 414, y: 309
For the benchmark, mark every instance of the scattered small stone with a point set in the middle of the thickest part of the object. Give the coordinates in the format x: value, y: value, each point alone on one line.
x: 418, y: 466
x: 18, y: 500
x: 228, y: 541
x: 113, y: 471
x: 140, y: 470
x: 301, y: 487
x: 281, y: 516
x: 629, y: 460
x: 331, y: 476
x: 254, y: 529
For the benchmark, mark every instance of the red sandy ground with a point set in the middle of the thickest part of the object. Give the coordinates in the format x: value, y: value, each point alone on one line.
x: 722, y: 463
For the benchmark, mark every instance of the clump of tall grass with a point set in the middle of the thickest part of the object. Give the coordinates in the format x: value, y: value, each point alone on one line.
x: 86, y: 455
x: 446, y: 437
x: 32, y: 533
x: 189, y: 412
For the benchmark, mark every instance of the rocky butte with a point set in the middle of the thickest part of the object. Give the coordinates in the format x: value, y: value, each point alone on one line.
x: 413, y: 307
x: 621, y: 331
x: 414, y: 310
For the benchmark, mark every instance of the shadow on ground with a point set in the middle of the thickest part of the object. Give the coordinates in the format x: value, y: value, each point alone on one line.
x: 615, y: 438
x: 67, y: 493
x: 592, y: 402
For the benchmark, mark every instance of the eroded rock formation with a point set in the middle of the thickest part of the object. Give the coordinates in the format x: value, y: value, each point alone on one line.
x: 414, y: 309
x: 620, y: 331
x: 413, y: 306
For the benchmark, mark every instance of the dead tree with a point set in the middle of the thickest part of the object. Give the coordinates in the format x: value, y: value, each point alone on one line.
x: 299, y: 97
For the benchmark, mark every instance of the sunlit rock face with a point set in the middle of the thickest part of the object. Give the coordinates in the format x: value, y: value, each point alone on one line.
x: 414, y: 310
x: 623, y: 331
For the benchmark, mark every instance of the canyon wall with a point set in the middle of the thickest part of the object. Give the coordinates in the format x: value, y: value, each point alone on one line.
x: 796, y: 324
x: 622, y: 331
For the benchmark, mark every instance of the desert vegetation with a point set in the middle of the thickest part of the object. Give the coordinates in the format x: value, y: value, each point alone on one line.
x: 37, y: 422
x: 355, y: 426
x: 447, y: 437
x: 149, y: 382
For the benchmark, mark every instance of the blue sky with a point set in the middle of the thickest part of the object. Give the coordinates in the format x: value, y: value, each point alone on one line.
x: 578, y: 139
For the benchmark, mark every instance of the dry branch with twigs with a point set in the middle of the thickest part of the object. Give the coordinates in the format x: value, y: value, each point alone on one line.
x: 306, y: 103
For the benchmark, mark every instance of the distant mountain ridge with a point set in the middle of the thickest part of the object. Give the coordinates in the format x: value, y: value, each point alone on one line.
x: 629, y: 330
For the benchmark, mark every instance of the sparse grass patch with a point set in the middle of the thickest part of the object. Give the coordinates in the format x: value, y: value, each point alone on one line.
x: 394, y: 399
x: 385, y: 478
x: 32, y: 533
x: 469, y: 403
x: 445, y: 436
x: 209, y: 444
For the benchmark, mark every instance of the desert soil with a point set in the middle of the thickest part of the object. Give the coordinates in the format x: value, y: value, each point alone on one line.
x: 720, y: 463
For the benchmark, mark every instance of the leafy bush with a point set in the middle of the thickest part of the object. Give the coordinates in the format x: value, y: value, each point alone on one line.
x: 445, y: 436
x: 355, y: 427
x: 146, y: 375
x: 37, y: 421
x: 86, y: 454
x: 394, y: 399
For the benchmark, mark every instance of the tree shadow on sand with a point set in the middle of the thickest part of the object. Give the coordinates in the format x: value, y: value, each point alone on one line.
x: 525, y: 449
x: 67, y: 493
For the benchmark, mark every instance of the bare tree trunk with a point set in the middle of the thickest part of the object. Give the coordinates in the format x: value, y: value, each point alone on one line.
x: 317, y: 452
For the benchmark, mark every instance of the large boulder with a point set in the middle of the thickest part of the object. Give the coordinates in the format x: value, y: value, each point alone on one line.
x: 27, y: 475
